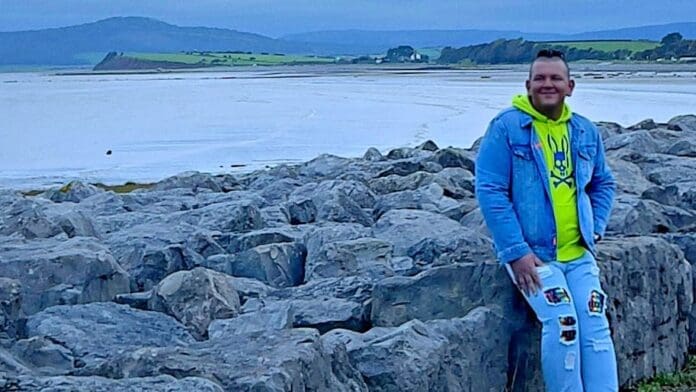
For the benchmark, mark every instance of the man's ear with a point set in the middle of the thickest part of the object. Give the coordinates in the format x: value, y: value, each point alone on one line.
x: 526, y: 85
x: 571, y: 84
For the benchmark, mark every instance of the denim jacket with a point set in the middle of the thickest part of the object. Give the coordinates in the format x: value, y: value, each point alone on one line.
x: 512, y: 186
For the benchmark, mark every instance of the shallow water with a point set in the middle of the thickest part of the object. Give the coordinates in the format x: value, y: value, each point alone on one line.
x: 57, y: 128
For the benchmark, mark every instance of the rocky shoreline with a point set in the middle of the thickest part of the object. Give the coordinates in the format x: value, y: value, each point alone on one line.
x: 369, y: 274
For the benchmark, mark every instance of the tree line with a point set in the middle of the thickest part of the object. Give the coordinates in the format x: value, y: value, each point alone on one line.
x: 515, y: 51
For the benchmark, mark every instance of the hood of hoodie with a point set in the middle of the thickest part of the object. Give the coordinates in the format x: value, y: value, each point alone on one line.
x: 521, y: 102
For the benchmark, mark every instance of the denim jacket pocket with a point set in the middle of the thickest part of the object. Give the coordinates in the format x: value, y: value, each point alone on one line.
x: 522, y: 151
x: 585, y: 165
x: 587, y: 152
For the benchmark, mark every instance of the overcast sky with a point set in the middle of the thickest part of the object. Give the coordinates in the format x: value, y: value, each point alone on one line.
x: 277, y: 17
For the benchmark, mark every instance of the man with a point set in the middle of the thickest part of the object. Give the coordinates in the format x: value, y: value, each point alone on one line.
x: 546, y: 192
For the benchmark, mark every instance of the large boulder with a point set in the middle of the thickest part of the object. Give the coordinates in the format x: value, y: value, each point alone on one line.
x: 364, y: 256
x: 53, y: 272
x: 74, y: 191
x: 281, y: 360
x: 10, y: 309
x: 278, y: 265
x: 460, y: 354
x: 96, y: 333
x: 162, y: 383
x: 195, y: 298
x: 405, y: 228
x: 440, y: 293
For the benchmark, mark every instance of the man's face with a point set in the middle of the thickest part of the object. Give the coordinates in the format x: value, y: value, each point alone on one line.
x: 549, y: 84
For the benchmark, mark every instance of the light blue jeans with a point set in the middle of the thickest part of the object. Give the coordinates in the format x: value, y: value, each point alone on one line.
x: 577, y: 352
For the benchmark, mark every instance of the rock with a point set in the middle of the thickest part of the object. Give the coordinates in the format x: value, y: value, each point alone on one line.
x: 609, y: 129
x: 279, y: 265
x: 76, y: 224
x: 400, y: 168
x: 273, y: 316
x: 648, y: 277
x: 137, y: 300
x: 10, y: 309
x: 373, y: 155
x: 197, y: 181
x: 44, y: 356
x: 685, y: 123
x: 161, y: 383
x: 196, y: 298
x: 204, y: 244
x: 282, y: 360
x: 397, y: 183
x: 96, y: 333
x: 460, y: 210
x: 148, y: 265
x: 74, y: 191
x: 683, y: 148
x: 252, y: 239
x: 301, y: 211
x: 629, y: 178
x: 316, y: 238
x: 365, y: 256
x: 646, y: 124
x: 455, y: 157
x: 465, y: 245
x: 405, y: 228
x: 401, y: 153
x: 639, y: 141
x: 324, y: 166
x: 428, y: 145
x: 278, y: 190
x: 334, y: 201
x: 441, y: 355
x: 638, y: 217
x: 79, y: 264
x: 441, y: 292
x: 227, y: 217
x: 28, y: 219
x: 668, y: 195
x: 429, y: 198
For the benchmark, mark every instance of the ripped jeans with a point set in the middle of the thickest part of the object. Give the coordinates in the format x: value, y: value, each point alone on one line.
x: 577, y: 352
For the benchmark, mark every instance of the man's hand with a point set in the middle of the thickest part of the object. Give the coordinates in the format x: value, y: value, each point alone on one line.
x: 525, y: 272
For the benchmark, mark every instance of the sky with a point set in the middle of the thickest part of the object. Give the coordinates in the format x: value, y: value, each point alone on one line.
x: 277, y: 17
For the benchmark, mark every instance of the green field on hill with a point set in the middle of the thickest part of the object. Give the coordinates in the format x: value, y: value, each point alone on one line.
x: 231, y: 58
x: 608, y: 46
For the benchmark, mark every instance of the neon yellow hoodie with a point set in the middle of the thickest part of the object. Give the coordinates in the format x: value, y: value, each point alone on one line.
x: 555, y: 141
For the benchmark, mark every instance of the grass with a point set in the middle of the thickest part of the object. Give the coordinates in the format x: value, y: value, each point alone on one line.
x: 122, y: 188
x: 608, y: 46
x: 682, y: 381
x: 231, y: 59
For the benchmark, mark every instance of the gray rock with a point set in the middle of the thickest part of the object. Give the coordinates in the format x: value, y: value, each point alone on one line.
x: 204, y: 244
x: 275, y: 216
x: 648, y: 277
x: 252, y: 239
x: 76, y: 224
x: 428, y: 145
x: 137, y: 300
x: 683, y: 148
x: 365, y: 256
x: 44, y: 356
x: 301, y: 211
x: 278, y: 265
x: 465, y: 245
x: 668, y: 195
x: 278, y: 190
x: 441, y: 355
x: 271, y: 316
x: 195, y: 298
x: 429, y: 198
x: 405, y: 228
x: 27, y: 218
x: 315, y: 239
x: 160, y: 383
x: 629, y: 178
x: 373, y: 155
x: 441, y: 292
x: 198, y: 181
x: 96, y: 333
x: 633, y: 216
x: 455, y: 157
x: 148, y: 265
x: 646, y: 124
x: 639, y: 141
x: 401, y: 168
x: 283, y: 360
x: 685, y: 123
x: 324, y: 166
x: 79, y: 264
x: 10, y: 309
x: 74, y: 191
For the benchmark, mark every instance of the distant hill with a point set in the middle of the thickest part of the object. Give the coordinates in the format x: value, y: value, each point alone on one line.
x: 87, y: 44
x: 371, y: 41
x: 69, y: 45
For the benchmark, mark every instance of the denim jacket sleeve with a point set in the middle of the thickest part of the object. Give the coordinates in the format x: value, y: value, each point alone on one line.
x: 601, y: 189
x: 493, y: 178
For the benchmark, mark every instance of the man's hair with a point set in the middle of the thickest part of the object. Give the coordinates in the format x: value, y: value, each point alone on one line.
x: 549, y: 54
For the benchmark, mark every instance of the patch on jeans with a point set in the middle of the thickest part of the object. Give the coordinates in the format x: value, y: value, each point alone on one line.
x: 595, y: 304
x: 557, y: 296
x: 568, y: 336
x: 567, y: 321
x: 568, y: 326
